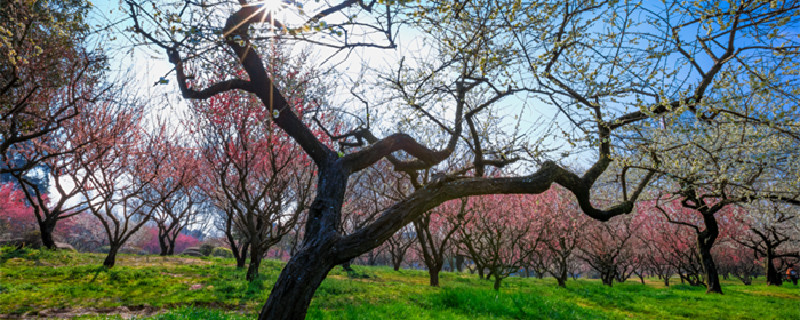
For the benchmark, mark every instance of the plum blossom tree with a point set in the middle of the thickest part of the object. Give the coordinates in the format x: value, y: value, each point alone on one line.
x: 118, y: 174
x: 494, y: 233
x: 436, y: 234
x: 259, y: 176
x: 582, y: 58
x: 606, y: 248
x: 562, y: 228
x: 769, y: 231
x: 48, y: 76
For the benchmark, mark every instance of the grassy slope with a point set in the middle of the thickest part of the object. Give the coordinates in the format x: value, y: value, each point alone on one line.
x: 36, y: 280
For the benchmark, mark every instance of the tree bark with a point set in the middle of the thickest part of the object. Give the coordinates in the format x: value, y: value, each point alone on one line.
x: 773, y: 277
x: 255, y: 261
x: 705, y: 241
x: 162, y: 243
x: 497, y: 281
x: 112, y: 255
x: 434, y: 276
x: 46, y: 228
x: 241, y: 256
x: 291, y: 295
x: 171, y: 246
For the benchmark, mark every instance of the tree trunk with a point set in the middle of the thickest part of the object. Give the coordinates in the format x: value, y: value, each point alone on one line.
x: 241, y: 256
x: 497, y: 281
x: 291, y: 295
x: 607, y: 277
x: 773, y: 278
x: 112, y: 255
x: 562, y: 282
x: 396, y: 264
x: 46, y: 231
x: 562, y: 275
x: 666, y: 281
x: 705, y: 240
x: 171, y: 246
x: 255, y: 261
x: 162, y: 244
x: 710, y: 269
x: 434, y: 276
x: 460, y: 263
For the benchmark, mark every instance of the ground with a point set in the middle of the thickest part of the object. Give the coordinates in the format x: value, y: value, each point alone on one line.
x: 60, y: 284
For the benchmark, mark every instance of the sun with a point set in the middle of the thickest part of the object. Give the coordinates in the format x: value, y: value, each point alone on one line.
x: 271, y: 6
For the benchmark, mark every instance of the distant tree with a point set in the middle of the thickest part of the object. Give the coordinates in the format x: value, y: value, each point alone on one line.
x: 563, y: 230
x: 399, y: 244
x: 118, y: 174
x: 436, y: 233
x: 769, y: 230
x: 494, y: 233
x: 173, y: 193
x: 606, y: 248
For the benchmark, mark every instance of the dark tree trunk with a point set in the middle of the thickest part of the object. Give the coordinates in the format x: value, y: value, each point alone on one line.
x: 705, y: 241
x: 666, y: 281
x: 459, y: 263
x: 434, y: 276
x: 46, y: 228
x: 773, y: 277
x: 607, y: 276
x: 241, y: 256
x: 112, y: 255
x: 171, y: 245
x: 561, y: 274
x: 162, y: 243
x: 291, y: 295
x: 396, y: 264
x: 497, y: 281
x: 255, y: 261
x: 562, y: 281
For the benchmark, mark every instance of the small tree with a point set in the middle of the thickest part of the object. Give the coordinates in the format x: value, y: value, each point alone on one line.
x: 436, y: 231
x: 494, y: 233
x: 118, y: 175
x: 606, y: 248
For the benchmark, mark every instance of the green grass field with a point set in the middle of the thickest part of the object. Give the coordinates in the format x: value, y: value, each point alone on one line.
x: 212, y: 288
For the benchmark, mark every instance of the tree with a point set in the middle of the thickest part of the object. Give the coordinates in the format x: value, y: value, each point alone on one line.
x: 260, y: 175
x: 399, y: 244
x: 768, y: 230
x: 436, y: 231
x: 563, y: 229
x: 118, y: 174
x: 606, y: 248
x: 494, y: 233
x: 60, y: 153
x: 48, y: 76
x: 174, y: 193
x: 551, y: 45
x: 662, y: 241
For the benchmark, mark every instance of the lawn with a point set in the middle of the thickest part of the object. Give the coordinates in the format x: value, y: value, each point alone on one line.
x: 151, y: 287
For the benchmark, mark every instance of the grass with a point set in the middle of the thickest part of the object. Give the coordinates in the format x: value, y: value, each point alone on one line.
x: 212, y: 288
